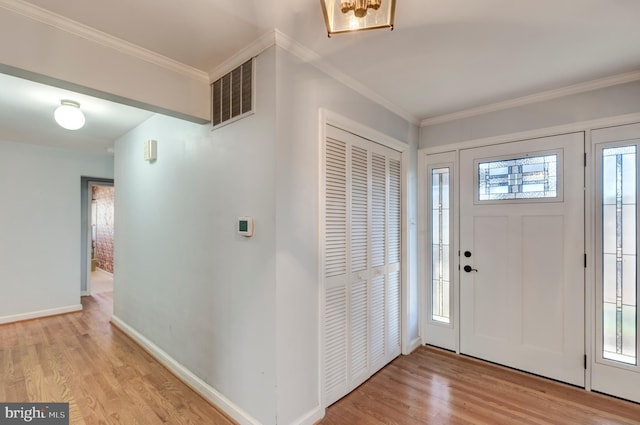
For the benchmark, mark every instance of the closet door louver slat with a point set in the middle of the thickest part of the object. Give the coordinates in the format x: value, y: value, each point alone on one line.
x: 335, y: 361
x: 394, y: 247
x: 378, y: 210
x: 336, y: 300
x: 336, y: 209
x: 359, y: 209
x: 378, y: 321
x: 359, y: 201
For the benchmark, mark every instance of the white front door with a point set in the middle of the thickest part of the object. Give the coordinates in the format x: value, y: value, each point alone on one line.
x: 615, y: 369
x: 522, y: 255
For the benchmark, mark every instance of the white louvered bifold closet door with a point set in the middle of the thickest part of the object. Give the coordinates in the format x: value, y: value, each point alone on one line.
x: 362, y: 225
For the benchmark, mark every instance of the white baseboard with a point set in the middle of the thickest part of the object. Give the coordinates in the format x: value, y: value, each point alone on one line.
x: 185, y: 375
x: 41, y: 313
x: 414, y: 344
x: 311, y: 417
x: 85, y: 293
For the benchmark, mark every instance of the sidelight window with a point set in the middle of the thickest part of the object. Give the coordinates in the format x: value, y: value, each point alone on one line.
x: 440, y: 249
x: 619, y: 256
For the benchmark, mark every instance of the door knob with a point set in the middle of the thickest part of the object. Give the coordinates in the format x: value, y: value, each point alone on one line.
x: 467, y: 254
x: 469, y: 269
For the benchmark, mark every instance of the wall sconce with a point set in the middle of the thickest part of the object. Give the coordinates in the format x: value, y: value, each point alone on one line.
x: 356, y: 15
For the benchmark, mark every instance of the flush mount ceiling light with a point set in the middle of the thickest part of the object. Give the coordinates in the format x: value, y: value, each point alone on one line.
x: 68, y: 115
x: 356, y: 15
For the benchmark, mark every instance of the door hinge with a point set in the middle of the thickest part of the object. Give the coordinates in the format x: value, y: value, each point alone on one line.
x: 585, y: 261
x: 585, y: 159
x: 585, y: 362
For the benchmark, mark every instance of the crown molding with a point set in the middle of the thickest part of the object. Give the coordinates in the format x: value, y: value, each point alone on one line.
x: 76, y: 28
x: 309, y: 56
x: 265, y: 41
x: 278, y: 38
x: 534, y: 98
x: 580, y: 126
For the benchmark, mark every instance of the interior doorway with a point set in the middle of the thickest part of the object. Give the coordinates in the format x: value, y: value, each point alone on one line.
x: 97, y: 236
x: 101, y: 234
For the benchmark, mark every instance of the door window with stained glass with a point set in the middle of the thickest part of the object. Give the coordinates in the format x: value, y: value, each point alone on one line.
x: 532, y: 177
x: 619, y: 254
x: 440, y: 245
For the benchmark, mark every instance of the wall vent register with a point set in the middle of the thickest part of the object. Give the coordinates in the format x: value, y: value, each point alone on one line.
x: 232, y: 95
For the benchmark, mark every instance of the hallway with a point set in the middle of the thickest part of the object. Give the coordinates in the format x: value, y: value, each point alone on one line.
x: 81, y: 359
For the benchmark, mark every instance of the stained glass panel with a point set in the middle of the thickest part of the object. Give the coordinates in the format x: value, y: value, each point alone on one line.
x: 532, y: 177
x: 440, y: 289
x: 619, y: 239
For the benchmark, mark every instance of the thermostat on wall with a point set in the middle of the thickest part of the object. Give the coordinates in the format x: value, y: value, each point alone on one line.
x: 245, y: 226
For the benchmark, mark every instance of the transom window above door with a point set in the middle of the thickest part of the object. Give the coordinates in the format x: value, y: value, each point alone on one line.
x: 534, y: 177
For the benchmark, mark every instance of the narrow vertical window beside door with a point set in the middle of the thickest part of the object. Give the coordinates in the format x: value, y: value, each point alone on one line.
x: 619, y: 235
x: 440, y: 288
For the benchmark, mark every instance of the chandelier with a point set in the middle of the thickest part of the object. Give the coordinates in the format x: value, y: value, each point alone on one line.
x: 356, y: 15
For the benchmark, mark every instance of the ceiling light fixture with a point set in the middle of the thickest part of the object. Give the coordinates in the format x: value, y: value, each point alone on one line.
x: 68, y: 115
x: 356, y: 15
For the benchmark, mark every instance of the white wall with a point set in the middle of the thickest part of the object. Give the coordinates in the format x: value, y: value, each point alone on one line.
x: 301, y: 91
x: 95, y: 69
x: 241, y: 314
x: 40, y: 226
x: 606, y: 102
x: 184, y: 278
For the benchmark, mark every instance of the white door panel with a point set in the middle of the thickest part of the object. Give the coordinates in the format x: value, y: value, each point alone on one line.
x: 522, y: 302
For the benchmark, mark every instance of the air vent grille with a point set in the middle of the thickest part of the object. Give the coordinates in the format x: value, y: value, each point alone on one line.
x: 232, y: 95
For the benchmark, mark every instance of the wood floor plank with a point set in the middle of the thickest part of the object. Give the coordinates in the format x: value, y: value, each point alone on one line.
x: 433, y: 386
x: 105, y: 377
x: 108, y: 379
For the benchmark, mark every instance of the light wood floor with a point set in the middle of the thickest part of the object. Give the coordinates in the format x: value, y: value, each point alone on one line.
x: 432, y: 386
x: 101, y: 281
x: 107, y: 379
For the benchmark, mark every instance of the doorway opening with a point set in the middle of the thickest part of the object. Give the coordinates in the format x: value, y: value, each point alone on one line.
x: 102, y: 230
x: 97, y: 237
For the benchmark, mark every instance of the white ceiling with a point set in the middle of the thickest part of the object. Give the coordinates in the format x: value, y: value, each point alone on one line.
x: 443, y: 55
x: 26, y: 116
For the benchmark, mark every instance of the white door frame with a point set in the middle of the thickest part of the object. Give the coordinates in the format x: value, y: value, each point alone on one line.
x: 590, y: 282
x: 334, y: 119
